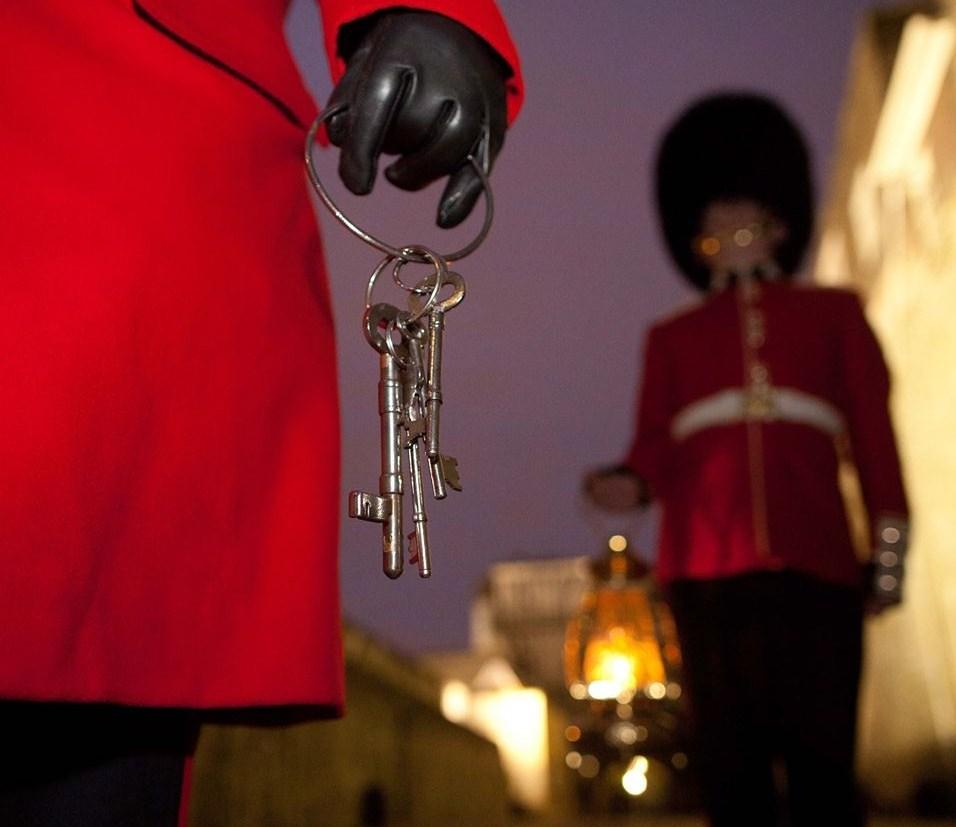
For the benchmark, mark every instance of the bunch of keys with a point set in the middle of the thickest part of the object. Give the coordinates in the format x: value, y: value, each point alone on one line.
x: 409, y: 346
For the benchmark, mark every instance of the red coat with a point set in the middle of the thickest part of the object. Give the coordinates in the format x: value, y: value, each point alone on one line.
x: 169, y: 460
x: 746, y: 399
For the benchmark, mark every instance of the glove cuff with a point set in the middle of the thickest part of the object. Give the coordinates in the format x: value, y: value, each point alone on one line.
x: 892, y: 541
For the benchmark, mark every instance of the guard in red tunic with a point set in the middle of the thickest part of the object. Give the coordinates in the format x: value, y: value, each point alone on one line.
x: 169, y: 457
x: 749, y: 401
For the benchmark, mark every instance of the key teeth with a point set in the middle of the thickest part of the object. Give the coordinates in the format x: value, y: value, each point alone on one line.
x: 414, y: 430
x: 449, y: 470
x: 443, y: 471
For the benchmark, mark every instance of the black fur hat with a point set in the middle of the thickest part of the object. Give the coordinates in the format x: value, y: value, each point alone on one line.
x: 728, y: 146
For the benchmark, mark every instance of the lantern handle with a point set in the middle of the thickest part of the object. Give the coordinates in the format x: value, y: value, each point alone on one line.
x: 607, y: 524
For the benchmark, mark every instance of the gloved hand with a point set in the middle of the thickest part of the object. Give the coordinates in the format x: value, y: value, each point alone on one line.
x: 421, y: 86
x: 883, y: 575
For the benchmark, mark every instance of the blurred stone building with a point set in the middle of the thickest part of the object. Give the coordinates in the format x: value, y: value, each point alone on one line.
x: 522, y: 622
x: 393, y: 760
x: 514, y: 665
x: 889, y: 229
x: 524, y: 610
x: 473, y: 738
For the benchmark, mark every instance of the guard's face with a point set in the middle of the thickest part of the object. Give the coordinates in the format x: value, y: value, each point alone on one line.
x: 738, y: 236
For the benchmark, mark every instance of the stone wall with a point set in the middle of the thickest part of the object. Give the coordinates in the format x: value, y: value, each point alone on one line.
x: 392, y: 760
x: 889, y: 229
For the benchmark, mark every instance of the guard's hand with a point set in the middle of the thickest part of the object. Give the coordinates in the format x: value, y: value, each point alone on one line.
x: 616, y: 489
x: 421, y: 86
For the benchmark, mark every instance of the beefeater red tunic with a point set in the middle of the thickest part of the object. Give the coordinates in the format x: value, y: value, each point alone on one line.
x: 169, y: 460
x: 747, y: 401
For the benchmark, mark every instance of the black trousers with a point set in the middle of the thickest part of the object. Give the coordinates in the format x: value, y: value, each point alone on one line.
x: 91, y: 765
x: 772, y: 666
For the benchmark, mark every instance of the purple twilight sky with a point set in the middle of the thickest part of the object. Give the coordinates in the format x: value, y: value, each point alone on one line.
x: 541, y: 360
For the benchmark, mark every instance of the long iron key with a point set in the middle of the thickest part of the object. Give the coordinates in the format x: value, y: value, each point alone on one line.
x: 444, y: 469
x: 413, y: 379
x: 386, y: 508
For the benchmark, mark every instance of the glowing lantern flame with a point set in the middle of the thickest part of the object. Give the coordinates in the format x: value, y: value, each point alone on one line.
x: 634, y: 780
x: 622, y: 641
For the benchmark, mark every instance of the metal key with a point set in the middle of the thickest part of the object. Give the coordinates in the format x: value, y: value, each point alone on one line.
x: 380, y: 320
x: 413, y: 421
x: 420, y: 418
x: 443, y: 469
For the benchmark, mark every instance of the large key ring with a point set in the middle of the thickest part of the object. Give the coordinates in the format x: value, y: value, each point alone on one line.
x: 388, y: 249
x: 380, y: 322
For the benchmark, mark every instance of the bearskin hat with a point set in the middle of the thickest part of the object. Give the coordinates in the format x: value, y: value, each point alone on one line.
x: 729, y: 146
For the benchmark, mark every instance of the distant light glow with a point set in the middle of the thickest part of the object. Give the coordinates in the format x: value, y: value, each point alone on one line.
x: 617, y: 542
x: 590, y: 766
x: 634, y: 780
x: 573, y: 760
x: 709, y: 245
x: 657, y: 691
x: 743, y: 237
x: 572, y: 733
x: 456, y: 701
x: 603, y: 690
x: 612, y: 666
x: 626, y: 733
x: 578, y: 691
x: 517, y: 721
x: 634, y: 783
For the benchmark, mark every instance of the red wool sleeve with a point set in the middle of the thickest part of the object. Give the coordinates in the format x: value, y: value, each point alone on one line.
x: 652, y: 438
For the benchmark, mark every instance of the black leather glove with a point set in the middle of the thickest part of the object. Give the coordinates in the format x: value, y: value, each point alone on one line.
x: 421, y: 86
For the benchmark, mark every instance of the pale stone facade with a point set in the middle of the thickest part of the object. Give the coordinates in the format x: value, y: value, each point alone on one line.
x: 889, y: 229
